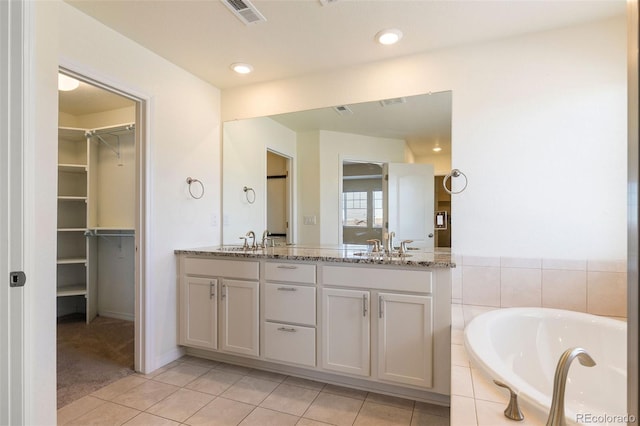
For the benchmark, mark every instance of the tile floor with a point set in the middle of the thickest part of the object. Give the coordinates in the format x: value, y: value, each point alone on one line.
x: 194, y: 391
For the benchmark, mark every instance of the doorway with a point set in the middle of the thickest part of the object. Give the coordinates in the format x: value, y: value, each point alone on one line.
x: 279, y: 198
x: 98, y: 253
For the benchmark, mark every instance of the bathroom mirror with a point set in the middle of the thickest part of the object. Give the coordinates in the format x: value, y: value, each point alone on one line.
x: 413, y: 129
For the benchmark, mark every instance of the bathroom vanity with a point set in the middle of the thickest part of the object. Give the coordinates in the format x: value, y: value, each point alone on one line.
x: 338, y: 315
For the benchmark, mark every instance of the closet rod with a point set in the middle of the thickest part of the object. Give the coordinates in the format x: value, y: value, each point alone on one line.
x: 109, y: 130
x: 96, y: 233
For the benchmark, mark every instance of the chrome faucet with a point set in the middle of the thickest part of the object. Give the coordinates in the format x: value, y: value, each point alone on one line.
x: 252, y: 235
x: 375, y: 243
x: 556, y: 414
x: 388, y: 247
x: 265, y: 238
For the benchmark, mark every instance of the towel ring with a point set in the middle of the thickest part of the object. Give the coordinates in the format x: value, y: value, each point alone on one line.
x: 191, y: 180
x: 246, y: 190
x: 454, y: 173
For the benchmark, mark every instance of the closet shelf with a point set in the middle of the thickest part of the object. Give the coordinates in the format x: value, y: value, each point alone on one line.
x: 72, y: 168
x: 72, y: 197
x: 72, y: 290
x: 72, y: 229
x: 71, y: 260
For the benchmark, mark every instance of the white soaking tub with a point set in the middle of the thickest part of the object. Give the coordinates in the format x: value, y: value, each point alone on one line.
x: 521, y: 347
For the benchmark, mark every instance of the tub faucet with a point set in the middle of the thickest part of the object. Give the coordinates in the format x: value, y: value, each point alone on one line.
x: 556, y: 414
x: 252, y: 235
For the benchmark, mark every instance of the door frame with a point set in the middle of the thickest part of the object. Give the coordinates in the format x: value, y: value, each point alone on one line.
x: 143, y: 336
x: 14, y: 121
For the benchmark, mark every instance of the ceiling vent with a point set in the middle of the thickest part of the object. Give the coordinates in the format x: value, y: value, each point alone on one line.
x: 245, y: 11
x: 342, y: 110
x: 393, y: 101
x: 327, y: 2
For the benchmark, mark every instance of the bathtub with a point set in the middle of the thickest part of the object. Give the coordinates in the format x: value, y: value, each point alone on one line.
x: 521, y: 347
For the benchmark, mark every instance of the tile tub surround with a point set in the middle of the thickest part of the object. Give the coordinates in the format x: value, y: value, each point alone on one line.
x: 346, y: 253
x: 592, y: 286
x: 195, y: 391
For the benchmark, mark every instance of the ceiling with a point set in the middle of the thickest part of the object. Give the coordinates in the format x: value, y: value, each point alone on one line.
x: 422, y: 121
x: 304, y: 37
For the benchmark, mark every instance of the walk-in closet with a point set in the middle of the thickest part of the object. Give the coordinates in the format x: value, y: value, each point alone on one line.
x: 96, y: 239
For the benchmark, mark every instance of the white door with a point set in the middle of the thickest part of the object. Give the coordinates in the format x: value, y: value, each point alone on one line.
x: 239, y: 317
x: 405, y: 339
x: 199, y: 312
x: 409, y: 203
x: 345, y: 331
x: 12, y: 390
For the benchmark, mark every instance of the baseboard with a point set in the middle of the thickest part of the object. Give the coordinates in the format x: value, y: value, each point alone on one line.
x: 117, y: 315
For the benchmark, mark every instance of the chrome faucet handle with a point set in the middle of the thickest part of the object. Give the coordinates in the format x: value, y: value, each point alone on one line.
x: 513, y: 409
x: 244, y: 245
x: 252, y: 235
x: 376, y: 245
x: 403, y: 246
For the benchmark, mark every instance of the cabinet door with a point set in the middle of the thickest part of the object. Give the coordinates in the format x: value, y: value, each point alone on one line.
x: 239, y: 317
x: 345, y: 331
x: 405, y: 333
x: 199, y: 312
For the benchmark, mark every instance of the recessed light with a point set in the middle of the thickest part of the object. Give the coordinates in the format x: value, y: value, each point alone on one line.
x: 241, y: 68
x: 436, y: 149
x: 66, y: 83
x: 388, y: 37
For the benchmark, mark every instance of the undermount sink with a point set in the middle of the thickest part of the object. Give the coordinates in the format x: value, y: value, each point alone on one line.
x: 380, y: 255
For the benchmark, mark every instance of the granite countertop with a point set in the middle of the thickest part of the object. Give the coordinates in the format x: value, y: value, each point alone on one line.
x: 347, y: 253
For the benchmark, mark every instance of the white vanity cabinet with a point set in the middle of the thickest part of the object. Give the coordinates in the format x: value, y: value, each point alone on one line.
x: 405, y: 338
x: 218, y: 306
x: 290, y: 313
x: 384, y: 328
x: 199, y: 312
x: 398, y: 332
x: 345, y: 325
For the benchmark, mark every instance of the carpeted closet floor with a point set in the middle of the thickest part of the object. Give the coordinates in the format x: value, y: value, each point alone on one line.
x: 91, y: 356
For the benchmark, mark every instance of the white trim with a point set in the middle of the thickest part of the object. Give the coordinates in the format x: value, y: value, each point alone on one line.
x: 144, y: 360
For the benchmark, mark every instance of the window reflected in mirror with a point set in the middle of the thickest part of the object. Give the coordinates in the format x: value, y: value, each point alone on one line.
x: 361, y: 202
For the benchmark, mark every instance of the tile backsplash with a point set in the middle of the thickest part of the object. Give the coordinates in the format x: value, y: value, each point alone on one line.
x: 594, y: 286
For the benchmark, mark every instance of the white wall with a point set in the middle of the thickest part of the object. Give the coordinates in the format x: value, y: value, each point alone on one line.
x: 96, y: 120
x: 245, y: 164
x: 538, y: 127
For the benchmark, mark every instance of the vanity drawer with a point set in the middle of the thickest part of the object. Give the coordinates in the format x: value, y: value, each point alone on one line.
x: 290, y: 303
x: 290, y: 272
x: 290, y: 343
x: 418, y: 281
x: 221, y: 268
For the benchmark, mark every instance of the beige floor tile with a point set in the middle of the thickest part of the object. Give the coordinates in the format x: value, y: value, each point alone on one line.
x: 309, y: 422
x: 146, y: 419
x: 374, y: 414
x: 290, y: 399
x: 334, y: 409
x: 214, y: 382
x: 107, y: 414
x: 390, y: 400
x: 264, y: 417
x: 188, y: 359
x: 436, y: 410
x: 343, y: 391
x: 220, y: 412
x: 145, y: 395
x: 181, y: 374
x: 181, y: 405
x: 305, y: 383
x: 421, y: 418
x: 119, y: 387
x: 250, y: 390
x: 77, y: 408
